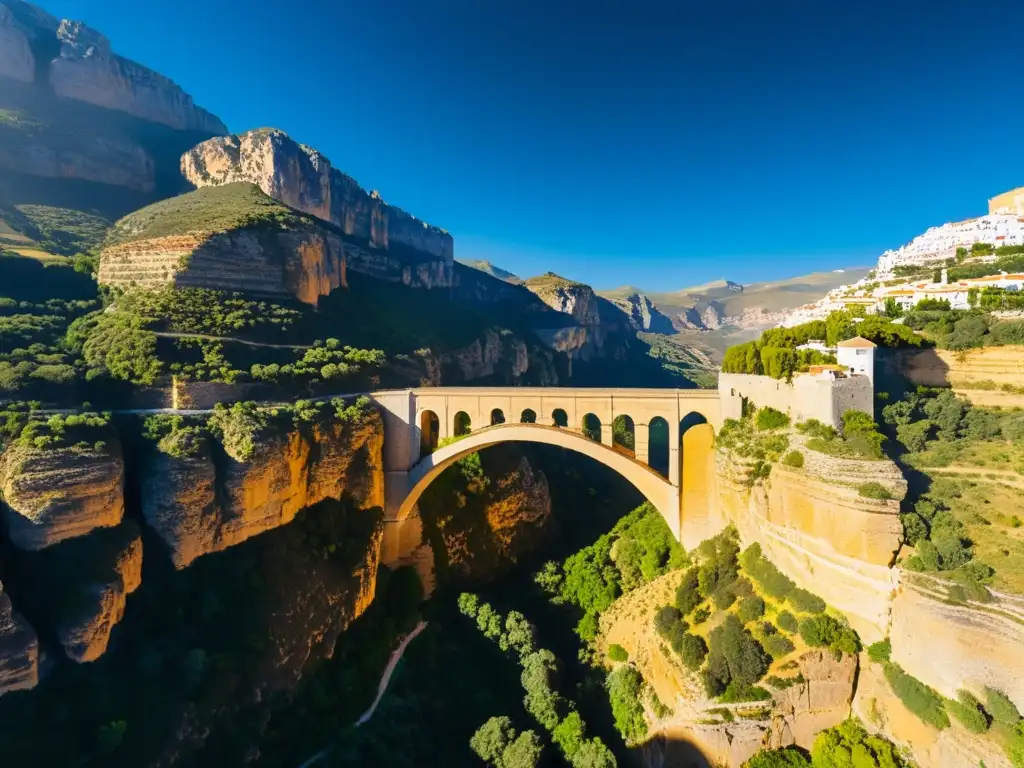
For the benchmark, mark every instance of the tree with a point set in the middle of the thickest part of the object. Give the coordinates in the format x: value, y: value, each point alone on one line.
x: 751, y: 608
x: 491, y: 739
x: 524, y: 752
x: 693, y: 650
x: 593, y: 753
x: 568, y: 734
x: 624, y: 686
x: 848, y: 745
x: 914, y: 436
x: 665, y: 618
x: 789, y: 757
x: 120, y: 344
x: 688, y: 593
x: 540, y: 681
x: 519, y: 634
x: 892, y: 308
x: 746, y: 660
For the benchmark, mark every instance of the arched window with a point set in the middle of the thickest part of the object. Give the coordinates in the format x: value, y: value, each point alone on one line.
x: 462, y: 424
x: 529, y: 416
x: 592, y: 427
x: 430, y: 431
x: 559, y: 418
x: 657, y: 445
x: 624, y: 434
x: 497, y: 417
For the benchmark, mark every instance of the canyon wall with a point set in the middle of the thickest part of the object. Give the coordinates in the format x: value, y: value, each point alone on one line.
x: 81, y: 65
x: 304, y: 179
x: 990, y: 376
x: 823, y: 535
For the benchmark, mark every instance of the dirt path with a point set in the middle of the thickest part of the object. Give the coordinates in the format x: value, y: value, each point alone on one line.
x: 382, y: 688
x: 232, y: 339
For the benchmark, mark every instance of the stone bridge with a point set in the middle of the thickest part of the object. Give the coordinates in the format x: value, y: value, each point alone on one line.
x: 665, y: 449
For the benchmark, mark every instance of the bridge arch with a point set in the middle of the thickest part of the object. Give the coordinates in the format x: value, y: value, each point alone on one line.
x: 430, y: 432
x: 461, y: 424
x: 528, y: 416
x: 657, y: 445
x: 559, y: 417
x: 662, y: 494
x: 497, y: 416
x: 591, y: 426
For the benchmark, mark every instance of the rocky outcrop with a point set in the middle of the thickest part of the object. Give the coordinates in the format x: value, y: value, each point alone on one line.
x: 576, y: 300
x: 199, y: 504
x: 53, y: 494
x: 821, y: 701
x: 112, y: 571
x: 881, y: 711
x: 823, y: 535
x: 85, y: 68
x: 643, y: 315
x: 19, y: 649
x: 304, y: 179
x: 304, y: 262
x: 16, y: 60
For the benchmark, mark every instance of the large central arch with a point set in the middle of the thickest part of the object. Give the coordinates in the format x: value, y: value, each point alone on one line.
x: 662, y: 494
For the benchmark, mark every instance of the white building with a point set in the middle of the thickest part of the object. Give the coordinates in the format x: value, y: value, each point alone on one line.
x: 938, y: 243
x: 856, y: 355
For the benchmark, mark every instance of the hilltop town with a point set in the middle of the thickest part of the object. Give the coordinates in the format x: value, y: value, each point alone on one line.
x: 957, y: 263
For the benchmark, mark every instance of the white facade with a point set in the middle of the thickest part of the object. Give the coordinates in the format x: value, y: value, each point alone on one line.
x: 941, y: 242
x: 860, y: 360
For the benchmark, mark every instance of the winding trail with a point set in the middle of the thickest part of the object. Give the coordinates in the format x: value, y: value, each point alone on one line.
x: 228, y: 339
x: 389, y: 670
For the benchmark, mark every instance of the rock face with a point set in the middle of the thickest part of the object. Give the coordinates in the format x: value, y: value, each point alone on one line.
x: 101, y: 599
x: 16, y: 59
x: 976, y: 374
x: 85, y: 68
x: 570, y: 298
x: 824, y: 536
x: 821, y: 702
x: 198, y: 505
x: 643, y: 315
x: 19, y: 649
x: 302, y: 178
x: 304, y: 262
x: 56, y: 494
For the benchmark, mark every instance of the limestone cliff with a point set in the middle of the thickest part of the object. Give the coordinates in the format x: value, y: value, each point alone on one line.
x: 16, y: 59
x: 304, y: 179
x: 643, y: 315
x: 19, y: 649
x: 78, y: 63
x: 211, y: 500
x: 52, y: 494
x: 570, y: 298
x: 991, y: 376
x: 480, y: 523
x: 826, y: 537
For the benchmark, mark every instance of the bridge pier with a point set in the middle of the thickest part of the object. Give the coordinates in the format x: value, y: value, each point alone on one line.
x: 642, y: 443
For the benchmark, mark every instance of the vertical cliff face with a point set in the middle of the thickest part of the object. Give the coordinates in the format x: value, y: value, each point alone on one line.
x: 211, y: 500
x: 19, y: 649
x: 53, y: 494
x: 16, y: 59
x: 303, y: 178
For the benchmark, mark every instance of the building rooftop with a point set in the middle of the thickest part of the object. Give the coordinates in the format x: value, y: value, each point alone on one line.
x: 857, y: 342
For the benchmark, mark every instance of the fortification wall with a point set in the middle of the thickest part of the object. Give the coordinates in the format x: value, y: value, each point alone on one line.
x: 806, y: 397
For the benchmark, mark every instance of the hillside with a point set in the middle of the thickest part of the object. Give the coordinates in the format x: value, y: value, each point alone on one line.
x: 490, y: 269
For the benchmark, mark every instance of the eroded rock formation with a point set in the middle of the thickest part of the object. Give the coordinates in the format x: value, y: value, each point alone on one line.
x: 53, y: 494
x: 198, y: 504
x: 643, y: 315
x: 19, y: 649
x: 304, y: 179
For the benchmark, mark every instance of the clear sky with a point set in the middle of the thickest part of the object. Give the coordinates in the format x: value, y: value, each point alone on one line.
x: 661, y: 144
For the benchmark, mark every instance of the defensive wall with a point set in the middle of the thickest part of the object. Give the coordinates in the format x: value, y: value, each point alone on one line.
x: 806, y: 397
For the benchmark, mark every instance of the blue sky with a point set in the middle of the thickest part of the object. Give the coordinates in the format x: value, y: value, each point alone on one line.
x: 661, y: 144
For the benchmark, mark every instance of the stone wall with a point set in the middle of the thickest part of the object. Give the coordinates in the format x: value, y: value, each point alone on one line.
x: 806, y: 397
x: 302, y: 178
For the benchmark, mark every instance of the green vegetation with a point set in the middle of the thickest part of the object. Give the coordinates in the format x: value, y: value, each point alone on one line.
x: 788, y: 757
x: 919, y: 698
x: 209, y: 209
x: 775, y: 584
x: 769, y: 418
x: 880, y: 652
x: 760, y: 447
x: 60, y: 231
x: 794, y: 459
x: 968, y: 710
x: 592, y: 579
x: 497, y: 744
x: 617, y: 653
x: 625, y: 687
x: 788, y: 622
x: 874, y: 490
x: 775, y: 353
x: 825, y: 631
x: 860, y: 438
x: 848, y: 744
x: 961, y: 329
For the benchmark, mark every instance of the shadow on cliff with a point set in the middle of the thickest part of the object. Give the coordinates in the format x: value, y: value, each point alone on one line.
x: 667, y: 750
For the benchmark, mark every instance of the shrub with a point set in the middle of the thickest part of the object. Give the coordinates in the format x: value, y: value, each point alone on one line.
x: 769, y: 418
x: 723, y: 597
x: 745, y: 658
x: 772, y: 581
x: 693, y: 651
x: 848, y: 744
x: 688, y: 595
x: 1001, y: 708
x: 788, y: 622
x: 917, y: 697
x: 968, y: 710
x: 737, y: 691
x: 778, y: 646
x: 806, y: 602
x: 624, y: 686
x: 788, y: 757
x: 825, y: 631
x: 491, y: 739
x: 676, y: 635
x: 751, y: 608
x: 880, y: 652
x: 665, y: 618
x: 617, y: 653
x: 873, y: 490
x: 793, y: 459
x: 702, y: 614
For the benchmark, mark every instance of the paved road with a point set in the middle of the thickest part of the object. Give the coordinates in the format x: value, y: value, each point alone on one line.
x: 382, y: 687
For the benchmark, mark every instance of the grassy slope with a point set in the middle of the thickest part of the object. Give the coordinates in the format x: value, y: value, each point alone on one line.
x: 210, y: 209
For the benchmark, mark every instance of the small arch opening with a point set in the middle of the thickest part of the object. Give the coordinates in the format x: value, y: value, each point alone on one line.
x: 559, y: 418
x: 657, y: 445
x: 691, y: 419
x: 430, y: 432
x: 529, y: 416
x: 592, y: 427
x: 624, y: 435
x: 462, y: 424
x: 497, y: 417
